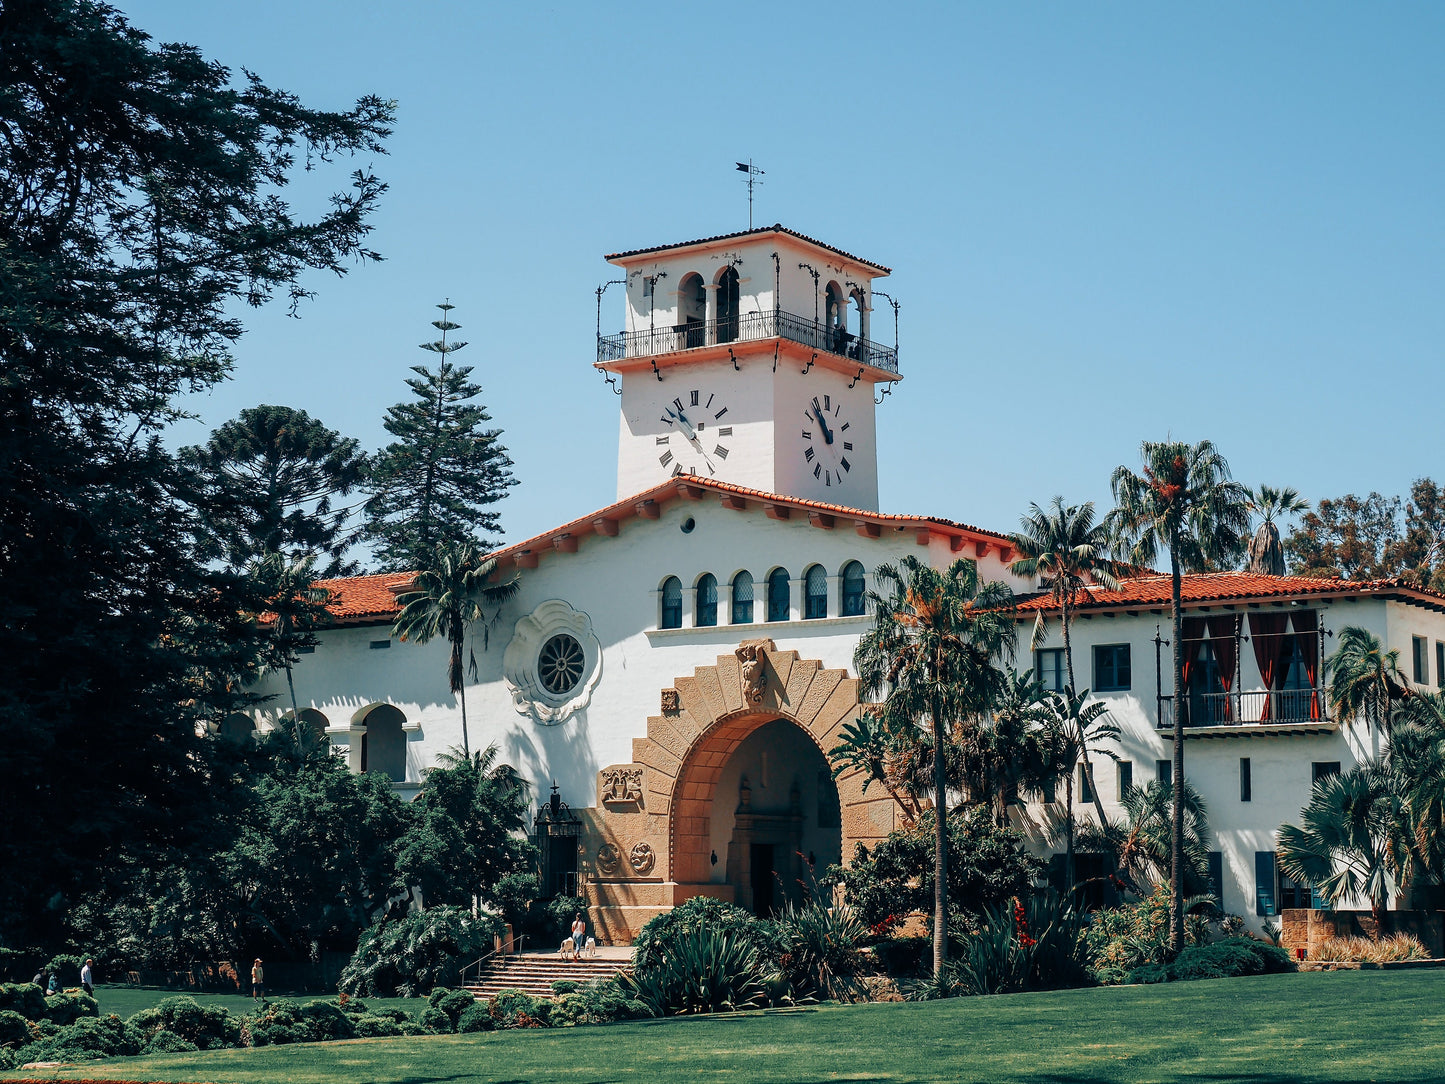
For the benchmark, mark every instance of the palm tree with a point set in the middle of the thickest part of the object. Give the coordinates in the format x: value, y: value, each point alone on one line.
x: 1266, y: 552
x: 1080, y: 728
x: 1010, y: 751
x: 1353, y: 839
x: 1365, y: 679
x: 932, y: 648
x: 1141, y: 843
x: 1067, y: 550
x: 1416, y: 754
x: 871, y: 745
x: 1183, y: 500
x: 445, y: 601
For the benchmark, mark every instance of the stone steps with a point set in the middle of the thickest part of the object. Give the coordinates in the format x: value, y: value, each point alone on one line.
x: 534, y: 973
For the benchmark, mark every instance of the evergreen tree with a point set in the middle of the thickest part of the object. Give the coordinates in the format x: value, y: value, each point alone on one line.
x: 265, y: 483
x: 141, y: 198
x: 436, y: 482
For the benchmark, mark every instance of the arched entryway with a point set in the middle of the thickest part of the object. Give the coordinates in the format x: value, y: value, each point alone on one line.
x: 378, y: 743
x: 763, y: 788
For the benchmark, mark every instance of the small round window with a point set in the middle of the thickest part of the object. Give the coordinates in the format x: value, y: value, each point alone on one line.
x: 560, y: 664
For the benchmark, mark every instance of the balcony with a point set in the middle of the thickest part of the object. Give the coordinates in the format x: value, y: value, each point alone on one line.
x: 1282, y: 707
x: 749, y: 327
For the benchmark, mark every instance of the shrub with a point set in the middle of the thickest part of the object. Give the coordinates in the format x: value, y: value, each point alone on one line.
x: 168, y: 1042
x: 1229, y: 958
x: 435, y: 1022
x: 70, y: 1005
x: 414, y: 954
x: 565, y: 986
x: 1149, y: 973
x: 88, y: 1039
x: 475, y: 1017
x: 661, y: 935
x: 1031, y: 943
x: 326, y: 1021
x: 601, y: 1001
x: 208, y: 1027
x: 452, y: 1003
x: 276, y: 1023
x: 704, y: 970
x: 1120, y: 939
x: 67, y: 967
x: 515, y: 1009
x: 14, y: 1028
x: 25, y: 998
x: 372, y: 1026
x: 1400, y: 946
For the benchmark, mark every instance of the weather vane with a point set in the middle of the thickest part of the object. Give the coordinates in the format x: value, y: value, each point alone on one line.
x: 753, y: 173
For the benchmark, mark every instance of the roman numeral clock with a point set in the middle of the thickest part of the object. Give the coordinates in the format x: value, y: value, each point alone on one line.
x: 697, y: 435
x: 747, y: 358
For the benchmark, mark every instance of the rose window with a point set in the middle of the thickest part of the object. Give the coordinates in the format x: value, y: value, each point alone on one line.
x: 560, y: 664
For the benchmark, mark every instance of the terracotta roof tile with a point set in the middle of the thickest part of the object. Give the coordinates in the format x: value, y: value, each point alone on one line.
x: 1154, y: 590
x: 357, y: 598
x: 776, y: 227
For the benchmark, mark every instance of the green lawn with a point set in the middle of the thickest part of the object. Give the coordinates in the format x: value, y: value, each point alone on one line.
x: 1331, y: 1026
x: 126, y: 1001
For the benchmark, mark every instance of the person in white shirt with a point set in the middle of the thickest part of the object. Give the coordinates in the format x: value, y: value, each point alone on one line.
x: 86, y: 978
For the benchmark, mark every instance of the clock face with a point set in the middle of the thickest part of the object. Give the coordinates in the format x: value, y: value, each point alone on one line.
x: 698, y: 434
x: 827, y: 441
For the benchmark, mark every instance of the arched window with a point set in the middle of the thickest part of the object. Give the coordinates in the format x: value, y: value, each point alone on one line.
x: 671, y: 603
x: 691, y: 310
x: 383, y: 743
x: 707, y: 600
x: 815, y: 593
x: 853, y: 589
x: 729, y: 299
x: 833, y: 305
x: 742, y: 598
x: 779, y: 598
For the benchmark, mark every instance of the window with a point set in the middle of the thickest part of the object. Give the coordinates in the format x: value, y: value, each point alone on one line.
x: 380, y: 645
x: 853, y: 592
x: 1050, y: 791
x: 1111, y: 668
x: 1086, y: 794
x: 1440, y: 663
x: 671, y: 603
x: 779, y: 597
x: 1264, y: 883
x: 1323, y: 769
x: 560, y: 664
x: 743, y: 598
x: 1126, y: 777
x: 1246, y: 792
x: 815, y: 593
x: 707, y: 600
x: 1216, y: 877
x: 1422, y: 660
x: 1164, y: 770
x: 1049, y: 669
x: 306, y: 649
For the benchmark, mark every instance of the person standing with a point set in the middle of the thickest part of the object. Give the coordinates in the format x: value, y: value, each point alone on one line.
x: 87, y: 978
x: 579, y: 934
x: 258, y: 979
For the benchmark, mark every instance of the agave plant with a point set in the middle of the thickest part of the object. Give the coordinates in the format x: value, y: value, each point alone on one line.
x: 704, y: 971
x: 823, y: 948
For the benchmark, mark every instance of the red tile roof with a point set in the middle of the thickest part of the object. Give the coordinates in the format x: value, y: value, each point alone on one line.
x: 362, y: 599
x: 776, y: 227
x: 1206, y: 587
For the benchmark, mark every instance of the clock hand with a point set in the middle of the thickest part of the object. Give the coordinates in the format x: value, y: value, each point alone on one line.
x: 827, y: 433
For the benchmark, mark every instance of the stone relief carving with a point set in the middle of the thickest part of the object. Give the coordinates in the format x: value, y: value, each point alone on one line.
x: 670, y: 701
x: 642, y: 858
x: 751, y: 653
x: 622, y: 785
x: 608, y: 858
x: 520, y: 663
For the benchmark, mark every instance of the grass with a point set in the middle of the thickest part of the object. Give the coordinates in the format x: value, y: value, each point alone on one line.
x: 1323, y: 1026
x: 126, y: 1001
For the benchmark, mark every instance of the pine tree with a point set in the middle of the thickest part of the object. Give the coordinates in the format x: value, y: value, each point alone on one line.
x: 435, y: 483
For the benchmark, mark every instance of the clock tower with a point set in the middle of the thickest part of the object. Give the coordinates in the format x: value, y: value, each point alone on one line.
x: 748, y: 358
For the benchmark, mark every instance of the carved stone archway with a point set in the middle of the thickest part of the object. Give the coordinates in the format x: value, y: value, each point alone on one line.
x: 648, y: 840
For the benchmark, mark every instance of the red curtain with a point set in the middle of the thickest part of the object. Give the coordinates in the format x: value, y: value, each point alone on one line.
x: 1307, y: 633
x: 1267, y: 632
x: 1226, y: 652
x: 1193, y: 641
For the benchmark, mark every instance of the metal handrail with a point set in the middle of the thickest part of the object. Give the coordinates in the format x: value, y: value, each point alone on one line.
x: 748, y: 327
x: 517, y: 940
x: 1248, y: 708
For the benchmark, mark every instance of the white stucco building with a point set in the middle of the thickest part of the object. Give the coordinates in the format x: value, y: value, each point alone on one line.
x: 678, y: 662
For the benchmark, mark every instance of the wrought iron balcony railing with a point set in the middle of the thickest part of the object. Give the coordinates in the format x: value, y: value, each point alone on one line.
x: 748, y: 327
x: 1260, y: 707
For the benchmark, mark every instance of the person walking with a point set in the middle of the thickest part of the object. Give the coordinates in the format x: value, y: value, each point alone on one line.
x: 258, y: 979
x: 87, y: 979
x: 579, y: 934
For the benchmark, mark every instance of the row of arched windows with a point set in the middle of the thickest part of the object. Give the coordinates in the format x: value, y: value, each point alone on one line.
x: 777, y: 597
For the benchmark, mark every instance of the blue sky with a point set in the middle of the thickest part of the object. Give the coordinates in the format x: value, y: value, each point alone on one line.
x: 1107, y: 222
